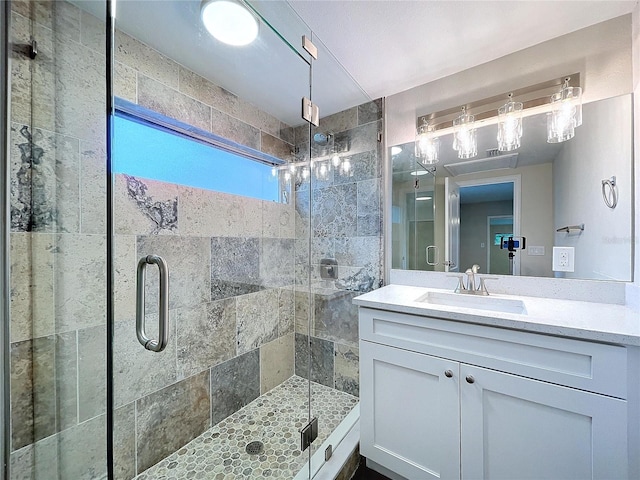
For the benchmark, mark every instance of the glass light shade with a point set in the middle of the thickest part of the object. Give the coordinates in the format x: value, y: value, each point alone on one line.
x: 464, y: 136
x: 509, y: 126
x: 565, y: 115
x: 229, y: 21
x: 427, y: 144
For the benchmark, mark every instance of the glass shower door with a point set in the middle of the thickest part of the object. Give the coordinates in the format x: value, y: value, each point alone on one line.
x: 58, y: 241
x: 210, y: 264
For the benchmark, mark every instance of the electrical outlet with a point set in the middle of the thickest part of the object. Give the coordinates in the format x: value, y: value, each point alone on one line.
x: 535, y: 251
x: 563, y: 259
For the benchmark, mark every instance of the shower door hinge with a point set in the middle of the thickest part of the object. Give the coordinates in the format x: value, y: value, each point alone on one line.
x: 309, y: 47
x: 310, y: 112
x: 33, y: 48
x: 379, y: 137
x: 308, y: 434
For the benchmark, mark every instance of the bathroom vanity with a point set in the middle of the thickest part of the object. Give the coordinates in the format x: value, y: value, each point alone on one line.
x: 458, y: 386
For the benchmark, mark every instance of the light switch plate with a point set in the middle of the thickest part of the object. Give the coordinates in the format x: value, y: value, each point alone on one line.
x: 563, y: 259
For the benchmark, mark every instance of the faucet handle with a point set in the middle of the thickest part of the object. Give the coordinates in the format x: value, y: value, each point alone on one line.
x: 475, y: 268
x: 482, y: 287
x: 460, y: 286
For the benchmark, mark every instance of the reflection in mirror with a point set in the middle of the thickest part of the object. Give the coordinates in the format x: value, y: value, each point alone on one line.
x: 556, y: 186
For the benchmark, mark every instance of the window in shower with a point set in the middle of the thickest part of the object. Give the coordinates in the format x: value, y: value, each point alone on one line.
x: 147, y: 149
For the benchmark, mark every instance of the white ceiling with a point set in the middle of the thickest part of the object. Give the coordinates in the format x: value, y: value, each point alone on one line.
x: 391, y: 46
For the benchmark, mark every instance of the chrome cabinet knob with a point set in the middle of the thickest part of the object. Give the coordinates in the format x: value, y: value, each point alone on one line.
x: 470, y: 379
x: 448, y: 373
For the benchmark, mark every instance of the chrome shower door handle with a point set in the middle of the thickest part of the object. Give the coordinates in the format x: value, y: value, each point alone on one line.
x: 163, y: 304
x: 436, y: 255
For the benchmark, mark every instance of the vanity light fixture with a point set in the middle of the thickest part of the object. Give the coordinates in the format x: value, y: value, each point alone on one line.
x: 464, y: 135
x: 427, y: 144
x: 566, y: 113
x: 509, y: 125
x: 229, y: 21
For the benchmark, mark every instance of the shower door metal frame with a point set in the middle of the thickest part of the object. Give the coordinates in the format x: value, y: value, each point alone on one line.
x: 5, y: 89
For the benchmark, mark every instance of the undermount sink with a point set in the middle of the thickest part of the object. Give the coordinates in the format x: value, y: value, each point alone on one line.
x: 494, y: 304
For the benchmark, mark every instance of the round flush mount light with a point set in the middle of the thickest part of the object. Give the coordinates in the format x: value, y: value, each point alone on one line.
x: 419, y: 172
x: 229, y: 21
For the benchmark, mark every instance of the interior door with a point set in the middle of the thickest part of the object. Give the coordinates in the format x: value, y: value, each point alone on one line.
x: 452, y: 229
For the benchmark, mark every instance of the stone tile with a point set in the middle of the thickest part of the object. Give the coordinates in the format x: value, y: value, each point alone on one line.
x: 66, y: 380
x: 364, y: 166
x: 302, y: 303
x: 188, y: 261
x: 277, y: 262
x: 124, y: 442
x: 125, y: 267
x: 170, y: 418
x: 287, y: 133
x: 322, y: 359
x: 213, y: 214
x: 144, y: 206
x: 235, y: 266
x: 338, y: 122
x: 234, y: 384
x: 20, y: 72
x: 93, y: 188
x: 276, y: 147
x: 249, y: 113
x: 32, y: 391
x: 206, y: 336
x: 32, y: 259
x: 233, y: 129
x: 257, y: 319
x: 36, y: 460
x: 45, y: 189
x: 171, y: 103
x: 370, y: 112
x: 369, y: 211
x: 335, y: 211
x: 43, y: 387
x: 359, y: 251
x: 207, y: 92
x: 335, y: 317
x: 80, y: 279
x: 69, y: 88
x: 137, y: 371
x: 347, y: 369
x: 60, y: 17
x: 92, y: 373
x: 286, y: 315
x: 278, y: 220
x: 125, y: 83
x: 93, y: 32
x: 359, y: 139
x: 146, y: 60
x: 277, y: 362
x: 83, y: 450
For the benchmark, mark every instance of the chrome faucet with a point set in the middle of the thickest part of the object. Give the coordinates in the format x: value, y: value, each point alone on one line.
x: 470, y: 288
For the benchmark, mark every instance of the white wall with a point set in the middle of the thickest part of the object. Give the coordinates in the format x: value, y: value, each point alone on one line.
x: 600, y: 149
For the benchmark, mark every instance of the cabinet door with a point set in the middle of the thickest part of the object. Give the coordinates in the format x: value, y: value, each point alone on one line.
x: 517, y: 428
x: 409, y: 412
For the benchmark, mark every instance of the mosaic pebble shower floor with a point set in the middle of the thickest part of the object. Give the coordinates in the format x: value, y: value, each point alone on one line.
x: 275, y: 419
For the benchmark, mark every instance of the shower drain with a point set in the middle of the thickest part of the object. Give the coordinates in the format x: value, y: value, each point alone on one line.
x: 255, y: 448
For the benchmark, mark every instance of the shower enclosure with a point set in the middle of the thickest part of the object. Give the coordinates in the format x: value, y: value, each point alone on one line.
x: 172, y: 217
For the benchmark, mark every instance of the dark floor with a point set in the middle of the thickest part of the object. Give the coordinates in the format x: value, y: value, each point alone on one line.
x: 364, y: 473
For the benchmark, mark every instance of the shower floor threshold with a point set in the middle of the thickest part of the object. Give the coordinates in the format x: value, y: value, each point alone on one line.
x: 275, y: 419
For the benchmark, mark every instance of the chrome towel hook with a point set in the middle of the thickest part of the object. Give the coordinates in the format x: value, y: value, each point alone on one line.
x: 610, y: 192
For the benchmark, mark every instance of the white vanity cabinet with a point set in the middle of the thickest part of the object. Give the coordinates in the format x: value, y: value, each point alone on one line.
x: 443, y: 399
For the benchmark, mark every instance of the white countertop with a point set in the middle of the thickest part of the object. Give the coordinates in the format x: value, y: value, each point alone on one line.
x: 600, y: 322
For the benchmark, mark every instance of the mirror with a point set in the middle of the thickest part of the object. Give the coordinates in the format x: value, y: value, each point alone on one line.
x: 533, y: 192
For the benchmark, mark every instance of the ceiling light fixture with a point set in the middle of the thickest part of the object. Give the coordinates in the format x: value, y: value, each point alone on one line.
x: 566, y: 113
x: 423, y: 198
x: 509, y: 125
x: 396, y: 150
x: 427, y: 144
x: 229, y: 21
x: 464, y: 135
x: 418, y: 173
